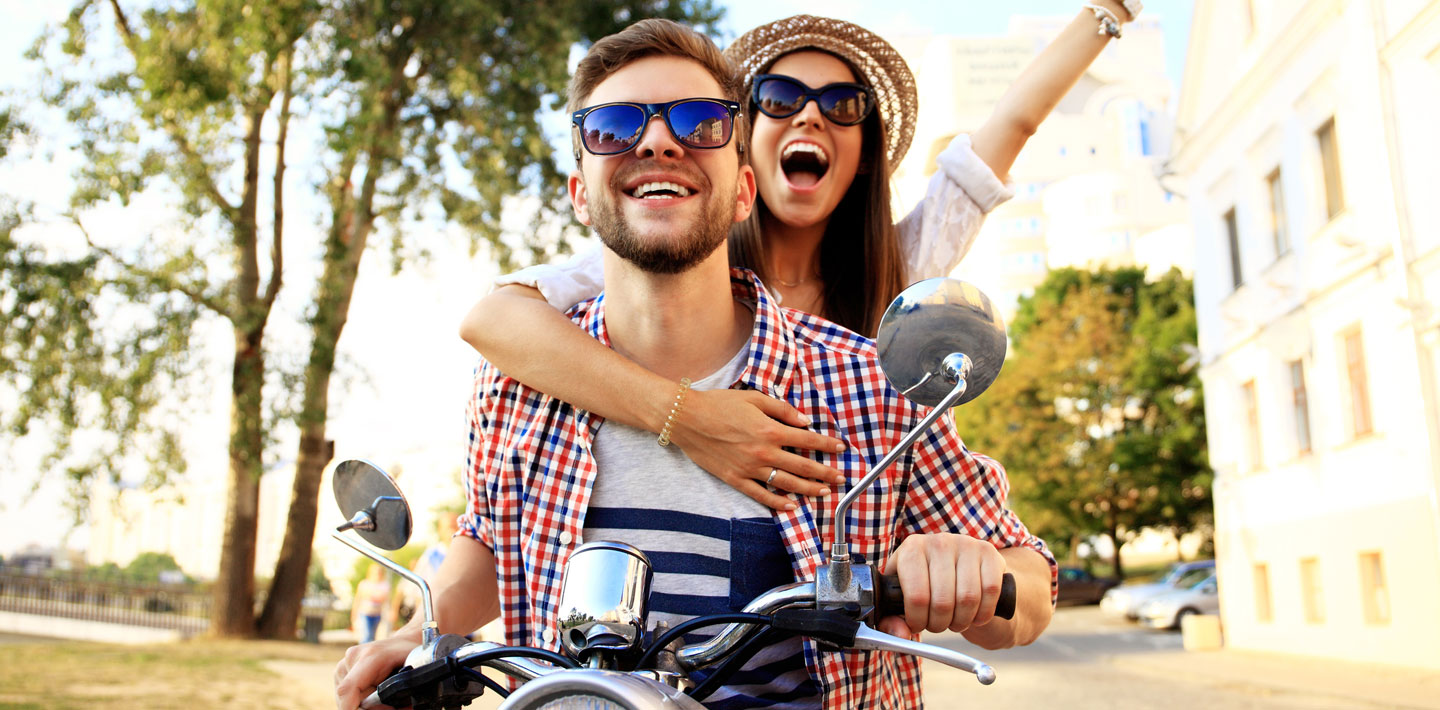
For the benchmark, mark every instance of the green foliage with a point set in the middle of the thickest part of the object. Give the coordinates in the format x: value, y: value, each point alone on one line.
x: 147, y: 566
x: 405, y: 557
x: 72, y: 370
x: 316, y: 582
x: 446, y: 97
x: 1099, y: 416
x: 408, y: 111
x: 434, y: 104
x: 144, y: 569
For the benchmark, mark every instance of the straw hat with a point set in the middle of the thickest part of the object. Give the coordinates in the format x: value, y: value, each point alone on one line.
x: 880, y: 66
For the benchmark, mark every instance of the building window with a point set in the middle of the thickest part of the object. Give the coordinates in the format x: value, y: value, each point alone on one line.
x: 1251, y: 403
x: 1232, y: 234
x: 1373, y: 594
x: 1300, y: 400
x: 1263, y: 612
x: 1330, y: 168
x: 1358, y: 387
x: 1279, y: 231
x: 1310, y: 586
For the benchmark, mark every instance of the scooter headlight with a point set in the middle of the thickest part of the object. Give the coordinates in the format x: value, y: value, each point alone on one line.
x: 582, y: 702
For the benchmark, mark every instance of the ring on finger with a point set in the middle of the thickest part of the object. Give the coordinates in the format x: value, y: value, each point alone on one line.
x: 771, y: 479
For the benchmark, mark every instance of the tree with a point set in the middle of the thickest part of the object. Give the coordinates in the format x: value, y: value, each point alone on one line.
x: 147, y: 567
x: 422, y: 110
x: 1099, y: 415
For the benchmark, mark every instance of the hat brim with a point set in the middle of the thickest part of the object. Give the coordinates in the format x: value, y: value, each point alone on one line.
x: 880, y: 66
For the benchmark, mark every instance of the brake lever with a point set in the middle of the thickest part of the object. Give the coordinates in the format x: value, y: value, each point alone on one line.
x: 869, y: 638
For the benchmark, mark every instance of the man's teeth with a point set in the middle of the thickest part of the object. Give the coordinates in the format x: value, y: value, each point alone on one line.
x: 811, y: 148
x: 660, y: 190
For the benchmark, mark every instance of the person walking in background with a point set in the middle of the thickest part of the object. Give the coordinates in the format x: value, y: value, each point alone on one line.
x: 372, y: 595
x: 407, y: 596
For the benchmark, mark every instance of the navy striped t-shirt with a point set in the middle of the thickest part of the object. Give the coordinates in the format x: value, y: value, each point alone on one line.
x: 713, y: 549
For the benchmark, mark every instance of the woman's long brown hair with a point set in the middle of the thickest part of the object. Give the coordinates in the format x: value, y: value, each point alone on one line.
x: 859, y: 255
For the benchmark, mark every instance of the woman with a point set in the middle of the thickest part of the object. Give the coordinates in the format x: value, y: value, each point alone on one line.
x: 833, y: 110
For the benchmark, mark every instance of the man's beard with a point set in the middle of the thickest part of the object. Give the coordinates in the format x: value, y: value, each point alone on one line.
x: 662, y: 256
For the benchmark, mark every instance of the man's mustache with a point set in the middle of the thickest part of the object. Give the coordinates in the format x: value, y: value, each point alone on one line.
x: 687, y: 172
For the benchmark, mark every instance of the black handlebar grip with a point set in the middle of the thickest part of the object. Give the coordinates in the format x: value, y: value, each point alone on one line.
x: 890, y: 600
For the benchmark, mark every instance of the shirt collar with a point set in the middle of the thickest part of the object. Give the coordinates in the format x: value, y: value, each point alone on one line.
x: 770, y: 366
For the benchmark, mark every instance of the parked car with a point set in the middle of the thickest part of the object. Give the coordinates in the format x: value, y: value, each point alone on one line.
x: 1080, y: 587
x: 1126, y: 599
x: 1166, y: 610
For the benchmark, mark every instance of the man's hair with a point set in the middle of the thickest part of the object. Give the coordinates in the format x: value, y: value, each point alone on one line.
x: 652, y: 38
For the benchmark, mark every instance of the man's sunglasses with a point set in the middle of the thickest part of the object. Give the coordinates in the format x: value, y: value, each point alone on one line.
x: 779, y: 96
x: 610, y: 129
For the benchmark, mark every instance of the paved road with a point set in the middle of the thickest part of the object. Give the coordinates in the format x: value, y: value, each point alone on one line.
x: 1086, y: 661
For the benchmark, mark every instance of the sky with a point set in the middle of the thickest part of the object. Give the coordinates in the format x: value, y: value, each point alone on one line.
x: 406, y: 373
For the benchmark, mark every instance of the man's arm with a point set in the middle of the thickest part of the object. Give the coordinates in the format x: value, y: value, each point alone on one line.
x: 466, y: 598
x: 964, y: 538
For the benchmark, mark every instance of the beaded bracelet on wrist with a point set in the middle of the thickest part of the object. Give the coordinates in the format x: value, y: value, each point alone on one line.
x: 664, y: 438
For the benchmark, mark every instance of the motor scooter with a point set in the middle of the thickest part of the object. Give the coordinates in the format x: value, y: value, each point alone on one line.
x: 941, y: 343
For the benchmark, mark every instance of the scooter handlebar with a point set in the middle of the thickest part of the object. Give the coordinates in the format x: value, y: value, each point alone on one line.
x: 890, y: 599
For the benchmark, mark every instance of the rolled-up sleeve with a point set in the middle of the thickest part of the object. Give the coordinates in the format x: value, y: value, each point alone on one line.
x: 940, y: 230
x: 955, y: 490
x: 566, y: 283
x: 477, y: 521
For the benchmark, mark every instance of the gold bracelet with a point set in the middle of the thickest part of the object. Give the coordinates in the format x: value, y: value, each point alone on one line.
x: 664, y: 439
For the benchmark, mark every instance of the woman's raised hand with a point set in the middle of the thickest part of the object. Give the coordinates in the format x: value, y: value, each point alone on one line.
x: 740, y: 437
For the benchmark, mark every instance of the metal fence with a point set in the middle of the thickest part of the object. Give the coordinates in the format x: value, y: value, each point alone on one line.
x: 70, y: 596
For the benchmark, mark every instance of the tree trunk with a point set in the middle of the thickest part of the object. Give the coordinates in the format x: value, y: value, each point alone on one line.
x: 282, y: 605
x: 234, y: 612
x: 348, y: 236
x: 1113, y: 530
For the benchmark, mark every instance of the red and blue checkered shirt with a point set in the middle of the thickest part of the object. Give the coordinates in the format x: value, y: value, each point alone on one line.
x: 530, y: 473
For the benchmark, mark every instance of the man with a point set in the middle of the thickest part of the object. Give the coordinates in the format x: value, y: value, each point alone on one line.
x: 661, y: 189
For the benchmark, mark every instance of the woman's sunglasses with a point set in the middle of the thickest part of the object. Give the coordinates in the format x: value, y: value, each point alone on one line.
x: 610, y: 129
x: 779, y: 96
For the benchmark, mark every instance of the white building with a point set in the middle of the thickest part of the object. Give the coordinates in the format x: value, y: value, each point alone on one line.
x: 1085, y: 188
x: 1310, y: 157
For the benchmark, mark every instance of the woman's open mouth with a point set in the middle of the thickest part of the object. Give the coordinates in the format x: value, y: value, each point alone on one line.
x: 804, y: 164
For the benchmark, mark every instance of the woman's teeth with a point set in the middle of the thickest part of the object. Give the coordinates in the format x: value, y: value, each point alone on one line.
x: 816, y: 151
x: 660, y: 191
x: 804, y: 163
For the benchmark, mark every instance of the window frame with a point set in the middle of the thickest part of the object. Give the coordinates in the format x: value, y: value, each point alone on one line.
x: 1332, y: 184
x: 1300, y: 407
x: 1360, y: 419
x: 1231, y: 223
x: 1250, y: 397
x: 1312, y: 590
x: 1374, y: 592
x: 1279, y: 225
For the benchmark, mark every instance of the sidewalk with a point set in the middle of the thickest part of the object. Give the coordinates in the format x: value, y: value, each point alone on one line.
x: 1382, y: 685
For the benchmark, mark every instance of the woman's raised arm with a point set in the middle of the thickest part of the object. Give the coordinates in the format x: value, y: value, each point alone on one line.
x: 1041, y: 86
x: 736, y: 435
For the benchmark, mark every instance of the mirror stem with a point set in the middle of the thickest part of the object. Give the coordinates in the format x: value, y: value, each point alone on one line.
x: 957, y: 368
x: 429, y: 629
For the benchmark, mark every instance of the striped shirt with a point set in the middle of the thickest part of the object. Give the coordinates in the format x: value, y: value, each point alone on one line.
x: 713, y: 549
x: 531, y: 471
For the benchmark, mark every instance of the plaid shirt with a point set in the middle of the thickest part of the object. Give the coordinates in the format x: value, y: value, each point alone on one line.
x: 530, y: 473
